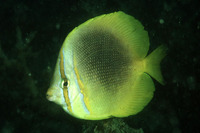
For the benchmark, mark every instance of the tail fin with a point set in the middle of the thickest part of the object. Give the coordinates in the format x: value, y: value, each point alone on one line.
x: 152, y: 63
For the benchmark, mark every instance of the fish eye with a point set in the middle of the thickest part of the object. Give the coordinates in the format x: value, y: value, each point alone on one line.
x: 65, y: 83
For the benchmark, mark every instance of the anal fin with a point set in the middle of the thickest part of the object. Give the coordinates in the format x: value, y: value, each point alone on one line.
x: 141, y: 93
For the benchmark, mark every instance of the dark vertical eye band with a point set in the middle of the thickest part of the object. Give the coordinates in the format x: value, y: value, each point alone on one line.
x: 65, y: 83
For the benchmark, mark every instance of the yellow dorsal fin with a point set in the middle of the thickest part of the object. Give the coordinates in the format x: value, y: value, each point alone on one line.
x: 126, y: 28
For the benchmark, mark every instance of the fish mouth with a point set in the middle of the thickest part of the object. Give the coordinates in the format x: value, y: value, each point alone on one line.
x: 49, y: 95
x: 55, y: 94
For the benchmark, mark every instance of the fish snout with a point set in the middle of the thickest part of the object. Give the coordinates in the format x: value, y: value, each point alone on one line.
x: 49, y: 94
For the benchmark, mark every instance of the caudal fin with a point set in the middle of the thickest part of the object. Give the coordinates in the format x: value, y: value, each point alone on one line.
x: 152, y: 63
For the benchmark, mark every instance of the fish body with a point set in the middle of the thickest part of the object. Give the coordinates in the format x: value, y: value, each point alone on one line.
x: 103, y: 69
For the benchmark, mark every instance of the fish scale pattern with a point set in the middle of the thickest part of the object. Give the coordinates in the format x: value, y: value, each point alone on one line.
x: 100, y: 57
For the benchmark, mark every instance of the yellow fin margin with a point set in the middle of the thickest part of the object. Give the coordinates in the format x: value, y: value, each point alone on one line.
x: 126, y: 28
x: 141, y: 93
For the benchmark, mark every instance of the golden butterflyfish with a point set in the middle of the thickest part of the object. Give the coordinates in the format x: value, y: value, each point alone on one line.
x: 103, y: 69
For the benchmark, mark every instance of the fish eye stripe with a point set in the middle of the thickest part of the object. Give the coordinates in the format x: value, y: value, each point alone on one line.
x: 65, y: 89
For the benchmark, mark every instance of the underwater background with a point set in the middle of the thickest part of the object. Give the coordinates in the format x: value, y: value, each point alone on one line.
x: 32, y: 32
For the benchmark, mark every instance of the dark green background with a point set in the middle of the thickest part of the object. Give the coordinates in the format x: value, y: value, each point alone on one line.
x: 32, y: 32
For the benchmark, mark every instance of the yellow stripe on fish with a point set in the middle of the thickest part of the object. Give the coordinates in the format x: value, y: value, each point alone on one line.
x: 105, y: 61
x: 82, y: 91
x: 65, y: 80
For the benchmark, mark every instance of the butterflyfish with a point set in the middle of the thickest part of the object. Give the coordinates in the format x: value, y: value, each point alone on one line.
x: 103, y: 69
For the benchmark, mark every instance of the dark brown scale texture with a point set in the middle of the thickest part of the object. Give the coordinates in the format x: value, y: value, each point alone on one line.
x: 102, y: 58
